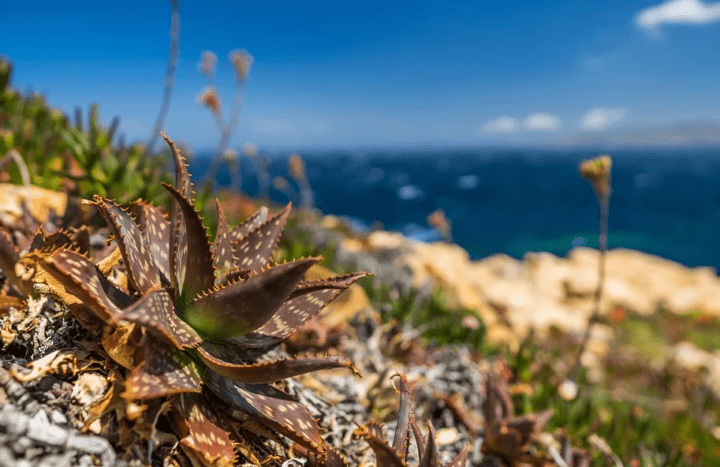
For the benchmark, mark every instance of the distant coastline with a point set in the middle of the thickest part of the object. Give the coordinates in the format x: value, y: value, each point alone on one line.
x: 664, y: 202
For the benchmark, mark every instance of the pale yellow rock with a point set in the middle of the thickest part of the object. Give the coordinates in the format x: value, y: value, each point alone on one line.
x: 39, y: 201
x: 380, y: 240
x: 446, y: 436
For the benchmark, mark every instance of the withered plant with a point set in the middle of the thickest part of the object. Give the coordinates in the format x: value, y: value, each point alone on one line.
x: 192, y: 318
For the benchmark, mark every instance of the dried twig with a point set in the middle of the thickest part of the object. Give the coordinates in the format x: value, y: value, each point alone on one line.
x: 169, y: 76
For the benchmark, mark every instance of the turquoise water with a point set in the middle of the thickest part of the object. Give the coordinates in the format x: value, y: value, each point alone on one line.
x: 663, y: 202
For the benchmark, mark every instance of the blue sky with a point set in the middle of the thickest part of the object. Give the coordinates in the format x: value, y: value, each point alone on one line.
x: 386, y: 74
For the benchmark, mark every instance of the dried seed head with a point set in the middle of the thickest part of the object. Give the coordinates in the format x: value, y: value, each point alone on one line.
x: 208, y: 59
x: 230, y: 156
x: 280, y: 183
x: 597, y: 172
x: 437, y: 220
x: 250, y: 150
x: 242, y: 61
x: 297, y: 166
x: 210, y: 99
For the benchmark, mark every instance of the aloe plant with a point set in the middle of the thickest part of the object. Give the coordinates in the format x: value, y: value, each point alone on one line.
x: 395, y: 454
x: 206, y: 312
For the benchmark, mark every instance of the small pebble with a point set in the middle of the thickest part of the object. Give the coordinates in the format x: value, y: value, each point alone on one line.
x: 58, y: 417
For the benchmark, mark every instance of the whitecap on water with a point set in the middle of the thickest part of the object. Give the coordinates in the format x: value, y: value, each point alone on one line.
x: 468, y: 182
x: 407, y: 192
x: 374, y: 175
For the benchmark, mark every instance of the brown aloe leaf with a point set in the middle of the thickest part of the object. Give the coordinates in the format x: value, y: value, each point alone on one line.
x: 178, y: 252
x: 78, y: 241
x: 505, y: 435
x: 269, y: 372
x: 305, y: 302
x: 330, y: 458
x: 199, y: 261
x: 156, y: 230
x: 182, y: 176
x: 272, y: 407
x: 240, y: 348
x: 231, y: 276
x: 419, y: 438
x: 178, y: 243
x: 156, y: 312
x: 164, y: 371
x: 250, y: 224
x: 203, y: 433
x: 142, y: 271
x: 222, y: 247
x: 81, y: 278
x: 461, y: 459
x: 429, y: 457
x: 385, y: 455
x: 242, y: 307
x: 400, y: 441
x: 254, y: 250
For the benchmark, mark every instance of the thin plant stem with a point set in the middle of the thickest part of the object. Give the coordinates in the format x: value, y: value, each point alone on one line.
x: 604, y: 201
x: 169, y: 76
x: 226, y: 131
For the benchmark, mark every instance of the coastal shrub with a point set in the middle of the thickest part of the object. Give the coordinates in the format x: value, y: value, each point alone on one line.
x: 78, y: 158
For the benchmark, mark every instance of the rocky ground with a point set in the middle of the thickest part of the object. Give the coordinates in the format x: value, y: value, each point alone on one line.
x: 53, y: 373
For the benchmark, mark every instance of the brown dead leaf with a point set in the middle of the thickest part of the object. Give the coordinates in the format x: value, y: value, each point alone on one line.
x: 57, y: 362
x: 121, y: 344
x: 8, y: 334
x: 7, y: 302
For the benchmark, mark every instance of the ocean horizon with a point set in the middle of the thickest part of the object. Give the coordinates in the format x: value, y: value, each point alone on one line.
x: 663, y: 202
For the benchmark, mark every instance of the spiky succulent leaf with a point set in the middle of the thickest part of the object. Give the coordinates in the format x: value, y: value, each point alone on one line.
x: 461, y: 459
x: 182, y: 176
x: 330, y: 458
x: 81, y: 278
x: 254, y: 250
x: 239, y: 349
x: 164, y: 371
x: 269, y: 372
x: 419, y: 438
x: 178, y: 241
x: 142, y: 271
x: 156, y: 230
x: 223, y: 258
x: 250, y: 224
x: 231, y: 276
x: 305, y: 302
x: 272, y: 407
x: 156, y: 312
x: 199, y: 259
x: 385, y: 455
x: 429, y: 457
x: 403, y: 419
x: 242, y: 307
x: 203, y: 432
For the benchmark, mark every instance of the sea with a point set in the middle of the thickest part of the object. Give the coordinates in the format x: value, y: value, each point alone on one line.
x: 663, y: 202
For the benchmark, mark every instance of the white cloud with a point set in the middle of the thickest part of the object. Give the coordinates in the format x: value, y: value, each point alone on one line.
x: 502, y: 125
x: 542, y: 122
x: 599, y: 118
x: 677, y: 12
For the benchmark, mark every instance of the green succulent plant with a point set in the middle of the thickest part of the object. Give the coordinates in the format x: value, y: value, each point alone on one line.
x: 61, y: 156
x: 206, y: 312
